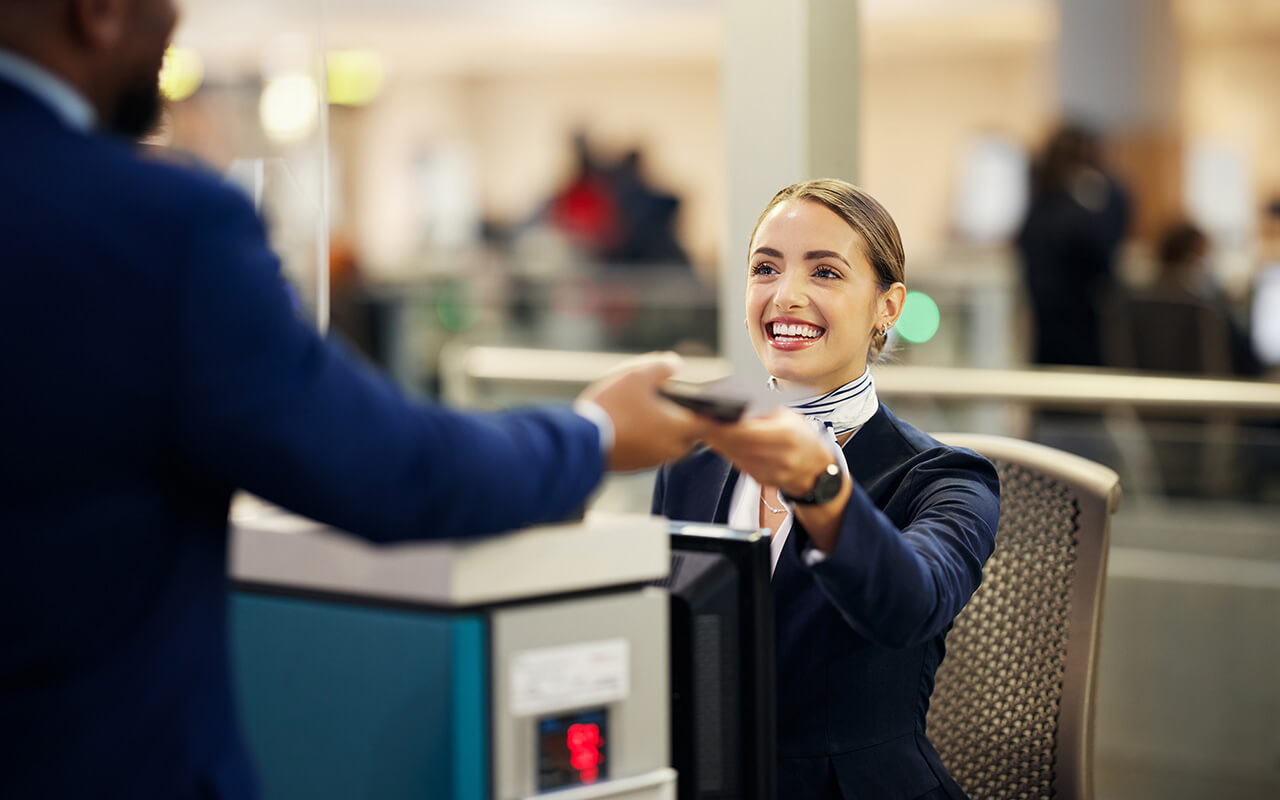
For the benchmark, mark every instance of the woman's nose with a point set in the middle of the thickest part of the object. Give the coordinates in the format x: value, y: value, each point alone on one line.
x: 790, y: 292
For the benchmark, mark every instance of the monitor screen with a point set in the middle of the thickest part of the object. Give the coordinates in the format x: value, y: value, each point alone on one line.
x: 723, y: 718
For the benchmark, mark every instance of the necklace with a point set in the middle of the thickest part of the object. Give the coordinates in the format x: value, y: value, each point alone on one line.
x: 764, y: 500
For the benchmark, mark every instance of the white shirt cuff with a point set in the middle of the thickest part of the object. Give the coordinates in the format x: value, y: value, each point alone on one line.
x: 600, y: 418
x: 812, y: 556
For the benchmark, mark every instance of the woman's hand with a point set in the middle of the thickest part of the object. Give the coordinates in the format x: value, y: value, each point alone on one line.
x: 779, y: 449
x: 783, y: 449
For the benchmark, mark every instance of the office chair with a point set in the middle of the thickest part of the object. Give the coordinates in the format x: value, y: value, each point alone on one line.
x: 1012, y: 708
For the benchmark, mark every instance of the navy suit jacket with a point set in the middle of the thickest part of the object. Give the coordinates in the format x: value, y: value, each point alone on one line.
x: 153, y: 364
x: 860, y: 634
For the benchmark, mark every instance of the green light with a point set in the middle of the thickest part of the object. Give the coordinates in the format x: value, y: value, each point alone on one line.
x: 920, y: 318
x: 452, y: 308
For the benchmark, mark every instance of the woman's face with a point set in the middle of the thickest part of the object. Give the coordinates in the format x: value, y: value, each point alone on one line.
x: 812, y: 298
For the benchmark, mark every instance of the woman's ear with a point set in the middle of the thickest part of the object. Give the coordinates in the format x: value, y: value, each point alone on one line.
x: 891, y: 302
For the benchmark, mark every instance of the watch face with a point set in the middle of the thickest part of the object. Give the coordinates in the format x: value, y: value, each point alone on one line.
x: 827, y: 486
x: 824, y: 490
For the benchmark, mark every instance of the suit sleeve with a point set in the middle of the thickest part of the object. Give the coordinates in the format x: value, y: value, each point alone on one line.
x: 902, y: 587
x: 265, y: 404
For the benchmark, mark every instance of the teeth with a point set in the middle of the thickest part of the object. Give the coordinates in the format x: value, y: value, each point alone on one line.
x: 796, y: 330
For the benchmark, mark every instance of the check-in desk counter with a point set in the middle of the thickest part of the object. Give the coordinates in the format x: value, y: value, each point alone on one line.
x: 488, y: 669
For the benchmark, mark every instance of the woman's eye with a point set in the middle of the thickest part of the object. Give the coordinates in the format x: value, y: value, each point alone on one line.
x: 763, y: 269
x: 826, y: 272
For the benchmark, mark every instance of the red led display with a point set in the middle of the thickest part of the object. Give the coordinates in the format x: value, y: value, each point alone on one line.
x: 573, y: 749
x: 583, y: 740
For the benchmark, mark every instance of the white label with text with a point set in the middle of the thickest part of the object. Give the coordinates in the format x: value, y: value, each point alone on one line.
x: 573, y: 676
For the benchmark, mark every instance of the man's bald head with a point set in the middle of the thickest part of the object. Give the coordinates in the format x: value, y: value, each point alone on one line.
x: 28, y: 12
x: 18, y: 16
x: 111, y: 51
x: 35, y: 29
x: 28, y: 5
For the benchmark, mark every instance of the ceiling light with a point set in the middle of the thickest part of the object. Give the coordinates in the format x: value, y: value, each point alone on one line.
x: 182, y: 73
x: 355, y: 77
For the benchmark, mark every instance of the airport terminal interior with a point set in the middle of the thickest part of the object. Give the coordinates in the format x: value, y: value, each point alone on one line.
x: 498, y: 201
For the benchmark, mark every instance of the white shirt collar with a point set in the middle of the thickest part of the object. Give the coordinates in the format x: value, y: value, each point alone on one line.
x: 70, y: 106
x: 744, y: 513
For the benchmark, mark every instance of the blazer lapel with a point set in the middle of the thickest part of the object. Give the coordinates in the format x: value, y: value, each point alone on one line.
x: 788, y: 568
x: 864, y: 451
x: 701, y: 488
x: 727, y: 480
x: 864, y: 469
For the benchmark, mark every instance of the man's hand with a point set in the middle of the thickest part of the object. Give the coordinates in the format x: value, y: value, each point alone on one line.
x: 647, y: 428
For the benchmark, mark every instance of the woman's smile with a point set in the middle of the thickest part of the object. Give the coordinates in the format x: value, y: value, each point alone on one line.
x: 788, y: 333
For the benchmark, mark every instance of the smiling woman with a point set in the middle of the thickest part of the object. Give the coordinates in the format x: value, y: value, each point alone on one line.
x: 824, y: 285
x: 880, y: 532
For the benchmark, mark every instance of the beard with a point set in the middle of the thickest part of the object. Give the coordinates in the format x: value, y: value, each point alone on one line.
x: 136, y: 110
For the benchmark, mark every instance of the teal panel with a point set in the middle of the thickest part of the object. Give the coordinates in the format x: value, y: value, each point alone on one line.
x: 470, y: 711
x: 348, y: 702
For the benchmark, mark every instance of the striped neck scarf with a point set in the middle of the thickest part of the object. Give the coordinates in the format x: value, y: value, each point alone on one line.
x: 840, y: 410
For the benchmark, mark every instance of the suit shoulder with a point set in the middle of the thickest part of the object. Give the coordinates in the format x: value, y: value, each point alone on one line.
x: 163, y: 191
x: 172, y: 184
x: 923, y: 451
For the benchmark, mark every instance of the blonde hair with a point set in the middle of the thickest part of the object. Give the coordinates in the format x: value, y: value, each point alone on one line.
x: 882, y: 243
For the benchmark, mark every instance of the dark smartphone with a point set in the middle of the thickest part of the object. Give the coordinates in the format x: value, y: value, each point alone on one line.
x: 711, y: 399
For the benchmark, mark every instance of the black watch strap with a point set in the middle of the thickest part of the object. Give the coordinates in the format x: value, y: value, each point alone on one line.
x: 824, y: 490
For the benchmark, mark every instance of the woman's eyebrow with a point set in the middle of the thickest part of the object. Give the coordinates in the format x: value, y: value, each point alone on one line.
x: 767, y: 251
x: 814, y: 255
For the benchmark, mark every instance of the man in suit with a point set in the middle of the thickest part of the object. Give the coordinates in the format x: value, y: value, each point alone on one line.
x: 154, y: 365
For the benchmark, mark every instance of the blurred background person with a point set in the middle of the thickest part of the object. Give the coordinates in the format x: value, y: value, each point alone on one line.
x: 1184, y: 276
x: 1076, y: 218
x: 586, y: 208
x: 646, y: 218
x: 1184, y: 323
x: 611, y: 213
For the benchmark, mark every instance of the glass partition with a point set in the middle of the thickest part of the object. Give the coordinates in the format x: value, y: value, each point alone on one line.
x: 246, y: 87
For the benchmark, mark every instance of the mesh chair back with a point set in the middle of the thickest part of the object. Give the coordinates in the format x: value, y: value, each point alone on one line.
x: 1012, y: 707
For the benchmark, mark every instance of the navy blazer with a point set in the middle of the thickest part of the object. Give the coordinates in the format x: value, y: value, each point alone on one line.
x: 860, y: 634
x: 153, y: 363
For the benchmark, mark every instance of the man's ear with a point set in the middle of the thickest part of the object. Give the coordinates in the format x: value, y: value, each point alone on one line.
x: 98, y: 24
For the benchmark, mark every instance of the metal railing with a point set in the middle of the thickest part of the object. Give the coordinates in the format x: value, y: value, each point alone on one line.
x: 464, y: 369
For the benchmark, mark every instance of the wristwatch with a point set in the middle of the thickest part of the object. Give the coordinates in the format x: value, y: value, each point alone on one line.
x: 824, y: 490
